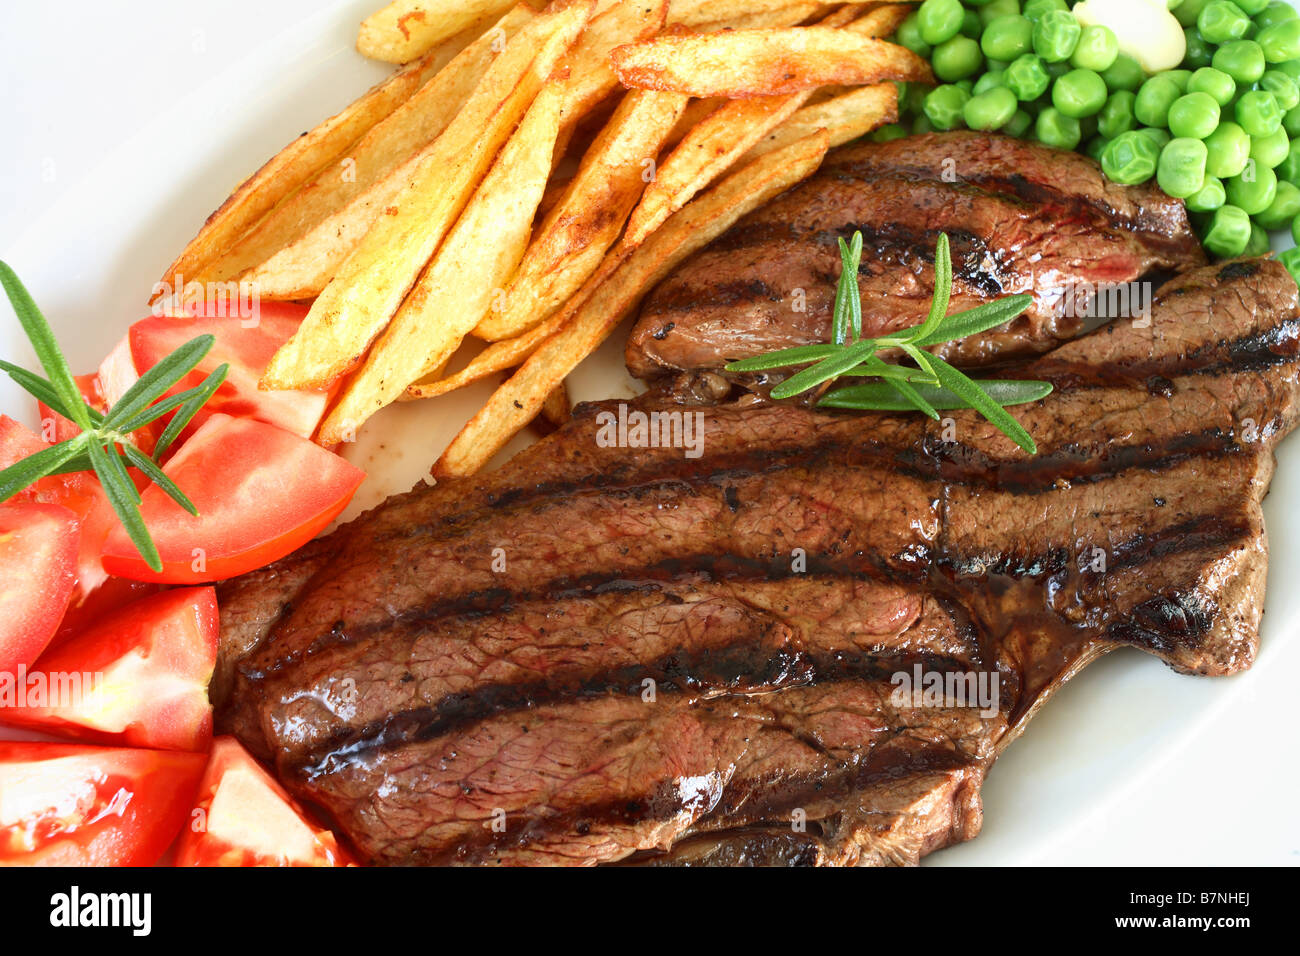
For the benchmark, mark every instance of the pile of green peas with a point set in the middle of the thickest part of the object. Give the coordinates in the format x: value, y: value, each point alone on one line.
x: 1216, y: 132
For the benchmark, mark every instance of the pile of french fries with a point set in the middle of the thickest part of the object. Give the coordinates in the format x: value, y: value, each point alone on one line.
x: 524, y: 180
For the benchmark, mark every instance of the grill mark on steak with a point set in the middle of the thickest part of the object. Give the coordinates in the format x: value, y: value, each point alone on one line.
x: 1020, y: 219
x: 1173, y: 498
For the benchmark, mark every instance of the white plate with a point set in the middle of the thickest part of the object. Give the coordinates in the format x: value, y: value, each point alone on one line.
x: 123, y: 131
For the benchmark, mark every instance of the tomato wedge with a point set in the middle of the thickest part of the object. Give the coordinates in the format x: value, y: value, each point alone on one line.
x: 139, y: 678
x: 247, y: 346
x: 261, y: 493
x: 38, y: 569
x: 76, y: 805
x: 245, y: 818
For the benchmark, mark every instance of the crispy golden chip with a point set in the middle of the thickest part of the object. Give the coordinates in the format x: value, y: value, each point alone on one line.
x: 615, y: 291
x: 587, y: 220
x: 460, y: 282
x: 405, y: 29
x: 295, y: 165
x: 556, y: 406
x: 591, y: 76
x: 497, y: 357
x: 695, y: 113
x: 881, y: 21
x: 764, y: 62
x: 388, y: 144
x: 711, y: 13
x: 844, y: 117
x: 370, y: 286
x: 789, y: 16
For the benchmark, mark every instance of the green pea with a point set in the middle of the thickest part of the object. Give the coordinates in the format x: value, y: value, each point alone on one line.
x: 921, y: 125
x: 1228, y: 232
x: 1228, y: 150
x: 1181, y: 169
x: 1251, y: 7
x: 1157, y: 135
x: 1097, y: 48
x: 1035, y: 9
x: 1130, y: 158
x: 944, y: 105
x: 939, y: 20
x: 1055, y: 35
x: 1221, y: 21
x: 970, y: 25
x: 1180, y: 78
x: 1079, y: 93
x: 1198, y: 51
x: 956, y: 58
x: 1117, y: 115
x: 987, y: 81
x: 1284, y: 89
x: 909, y: 35
x: 1291, y: 122
x: 991, y: 109
x: 1195, y: 115
x: 1257, y: 244
x: 998, y: 8
x: 1253, y: 190
x: 1095, y: 147
x: 1214, y: 82
x: 968, y: 85
x: 1124, y: 74
x: 1289, y: 168
x: 1056, y: 129
x: 1291, y: 68
x: 1274, y: 12
x: 1007, y: 37
x: 1291, y: 259
x: 995, y: 64
x: 1270, y: 150
x: 1019, y: 124
x: 1187, y: 11
x: 1026, y: 77
x: 1283, y: 209
x: 1209, y: 197
x: 1154, y: 99
x: 1258, y: 113
x: 1281, y: 41
x: 888, y: 132
x: 1295, y: 236
x: 1243, y: 60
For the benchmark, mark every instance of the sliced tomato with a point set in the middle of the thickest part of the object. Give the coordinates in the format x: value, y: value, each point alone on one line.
x: 38, y: 569
x: 261, y: 493
x: 139, y: 678
x: 247, y: 346
x: 245, y: 818
x: 87, y: 610
x: 77, y: 805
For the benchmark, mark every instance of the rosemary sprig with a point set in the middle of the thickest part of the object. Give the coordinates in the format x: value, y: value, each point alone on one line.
x: 932, y: 384
x: 104, y: 444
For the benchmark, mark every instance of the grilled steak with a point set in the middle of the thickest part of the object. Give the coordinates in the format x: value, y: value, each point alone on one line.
x: 600, y: 654
x: 1020, y: 218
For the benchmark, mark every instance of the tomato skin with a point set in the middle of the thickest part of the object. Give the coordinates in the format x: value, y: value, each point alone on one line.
x: 243, y: 817
x: 38, y: 560
x: 77, y: 805
x: 151, y: 660
x: 261, y: 493
x: 247, y: 347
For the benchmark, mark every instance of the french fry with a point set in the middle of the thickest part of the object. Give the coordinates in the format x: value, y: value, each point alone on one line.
x: 556, y: 408
x: 460, y: 282
x: 700, y: 13
x: 615, y: 291
x: 881, y: 21
x: 497, y: 357
x: 405, y: 29
x: 296, y: 164
x: 712, y: 147
x: 788, y: 16
x: 844, y: 117
x: 388, y: 144
x: 765, y: 62
x: 369, y: 287
x: 695, y: 113
x: 587, y: 220
x: 591, y: 77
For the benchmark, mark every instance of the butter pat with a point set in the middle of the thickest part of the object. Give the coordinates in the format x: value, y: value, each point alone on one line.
x: 1145, y: 29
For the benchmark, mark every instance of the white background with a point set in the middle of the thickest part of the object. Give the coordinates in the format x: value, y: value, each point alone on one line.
x: 125, y: 124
